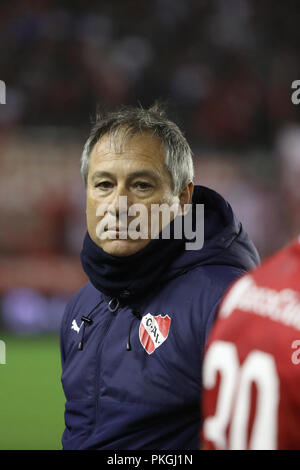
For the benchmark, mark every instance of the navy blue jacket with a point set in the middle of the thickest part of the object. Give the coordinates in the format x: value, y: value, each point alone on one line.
x: 148, y: 397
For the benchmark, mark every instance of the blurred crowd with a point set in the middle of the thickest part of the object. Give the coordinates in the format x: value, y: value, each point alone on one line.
x: 225, y: 69
x: 227, y: 65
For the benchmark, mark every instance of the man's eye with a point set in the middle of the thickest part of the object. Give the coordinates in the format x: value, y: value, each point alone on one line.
x: 104, y: 185
x: 143, y: 186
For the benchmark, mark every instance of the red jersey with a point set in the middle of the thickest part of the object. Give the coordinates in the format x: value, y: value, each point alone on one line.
x: 251, y: 369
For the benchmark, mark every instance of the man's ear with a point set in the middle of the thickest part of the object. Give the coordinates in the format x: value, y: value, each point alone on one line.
x: 186, y: 195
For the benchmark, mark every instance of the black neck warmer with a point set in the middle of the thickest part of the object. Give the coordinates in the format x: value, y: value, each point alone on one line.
x: 129, y: 276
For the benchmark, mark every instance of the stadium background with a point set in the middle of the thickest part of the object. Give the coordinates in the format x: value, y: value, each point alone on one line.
x: 225, y: 69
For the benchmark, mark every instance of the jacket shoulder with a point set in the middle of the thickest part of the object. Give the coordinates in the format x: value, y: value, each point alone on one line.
x: 207, y: 285
x: 215, y: 277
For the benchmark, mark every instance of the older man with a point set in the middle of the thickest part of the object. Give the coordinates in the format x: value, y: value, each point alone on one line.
x: 132, y: 338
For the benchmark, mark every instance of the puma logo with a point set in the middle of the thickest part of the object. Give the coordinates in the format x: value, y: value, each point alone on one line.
x: 75, y: 327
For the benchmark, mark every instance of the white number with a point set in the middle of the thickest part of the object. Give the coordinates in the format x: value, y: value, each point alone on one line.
x: 217, y: 359
x: 233, y: 403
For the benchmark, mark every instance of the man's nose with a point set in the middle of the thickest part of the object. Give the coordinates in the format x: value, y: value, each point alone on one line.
x: 120, y: 202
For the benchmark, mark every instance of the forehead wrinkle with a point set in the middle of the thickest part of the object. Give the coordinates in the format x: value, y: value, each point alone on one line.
x: 111, y: 151
x: 108, y: 149
x: 153, y: 173
x: 133, y: 174
x: 120, y: 136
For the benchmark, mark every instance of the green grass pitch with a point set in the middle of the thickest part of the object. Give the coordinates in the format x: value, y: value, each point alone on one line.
x: 31, y: 396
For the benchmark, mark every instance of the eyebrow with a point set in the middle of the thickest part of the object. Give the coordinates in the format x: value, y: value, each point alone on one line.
x: 135, y: 174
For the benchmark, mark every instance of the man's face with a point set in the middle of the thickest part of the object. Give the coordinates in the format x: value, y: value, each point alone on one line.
x: 136, y: 171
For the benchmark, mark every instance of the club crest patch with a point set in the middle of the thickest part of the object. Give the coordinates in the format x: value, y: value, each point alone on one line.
x: 154, y: 331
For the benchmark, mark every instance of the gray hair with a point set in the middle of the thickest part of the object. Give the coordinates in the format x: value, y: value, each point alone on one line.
x: 133, y: 120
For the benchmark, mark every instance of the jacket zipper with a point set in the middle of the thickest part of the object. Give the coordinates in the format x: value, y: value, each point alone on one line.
x: 136, y: 315
x: 87, y: 320
x: 98, y: 355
